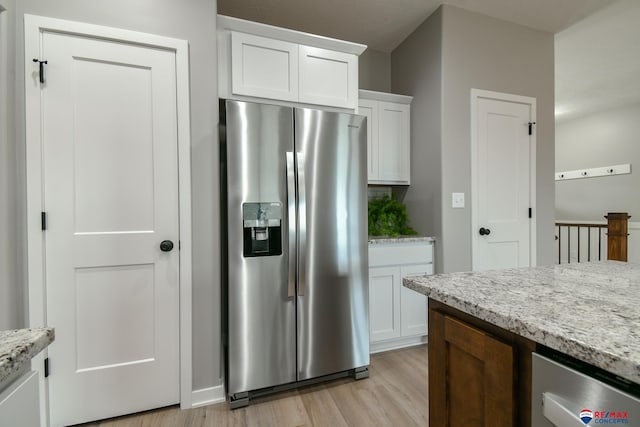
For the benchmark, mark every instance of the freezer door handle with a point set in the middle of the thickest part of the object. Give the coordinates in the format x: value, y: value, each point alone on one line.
x: 555, y: 409
x: 302, y: 225
x: 291, y: 214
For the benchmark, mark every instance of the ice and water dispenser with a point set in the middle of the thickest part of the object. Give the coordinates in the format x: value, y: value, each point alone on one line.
x: 262, y: 223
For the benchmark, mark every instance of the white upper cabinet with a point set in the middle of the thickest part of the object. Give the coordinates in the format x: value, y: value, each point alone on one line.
x: 263, y: 67
x: 388, y: 136
x: 328, y: 77
x: 369, y: 109
x: 258, y: 62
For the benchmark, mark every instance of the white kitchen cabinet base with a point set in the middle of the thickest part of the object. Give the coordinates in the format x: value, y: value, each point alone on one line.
x: 20, y: 403
x: 397, y: 315
x: 396, y: 343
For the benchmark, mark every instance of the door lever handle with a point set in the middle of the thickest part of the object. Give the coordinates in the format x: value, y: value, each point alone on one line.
x: 484, y: 231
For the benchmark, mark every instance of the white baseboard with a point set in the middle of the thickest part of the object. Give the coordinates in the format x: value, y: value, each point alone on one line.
x: 396, y: 343
x: 208, y: 396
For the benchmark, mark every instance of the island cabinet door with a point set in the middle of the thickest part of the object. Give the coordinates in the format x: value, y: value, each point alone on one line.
x: 471, y: 376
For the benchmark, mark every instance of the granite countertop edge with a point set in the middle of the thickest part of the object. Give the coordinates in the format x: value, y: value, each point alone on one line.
x: 373, y: 240
x: 19, y: 346
x: 595, y: 355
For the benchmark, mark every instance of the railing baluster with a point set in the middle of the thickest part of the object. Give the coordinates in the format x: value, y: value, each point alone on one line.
x: 568, y: 245
x: 578, y: 243
x: 600, y: 244
x: 559, y: 244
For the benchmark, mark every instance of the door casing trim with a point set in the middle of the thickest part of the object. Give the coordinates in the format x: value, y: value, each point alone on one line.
x: 477, y: 94
x: 34, y: 27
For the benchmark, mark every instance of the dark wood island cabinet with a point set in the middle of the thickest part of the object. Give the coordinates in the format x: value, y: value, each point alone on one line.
x: 479, y: 374
x: 484, y: 328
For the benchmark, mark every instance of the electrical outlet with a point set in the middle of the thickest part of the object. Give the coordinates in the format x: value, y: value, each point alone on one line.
x: 457, y: 200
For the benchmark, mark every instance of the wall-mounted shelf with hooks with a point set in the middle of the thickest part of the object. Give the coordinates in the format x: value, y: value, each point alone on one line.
x: 594, y: 172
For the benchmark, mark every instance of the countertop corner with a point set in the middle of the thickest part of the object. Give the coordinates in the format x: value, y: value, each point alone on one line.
x: 19, y: 346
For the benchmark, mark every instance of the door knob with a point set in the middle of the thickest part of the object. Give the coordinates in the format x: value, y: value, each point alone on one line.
x: 166, y: 245
x: 484, y: 231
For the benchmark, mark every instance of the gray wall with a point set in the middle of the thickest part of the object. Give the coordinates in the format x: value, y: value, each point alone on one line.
x: 600, y: 139
x: 416, y: 69
x: 11, y: 299
x: 374, y: 70
x: 484, y: 53
x: 194, y: 21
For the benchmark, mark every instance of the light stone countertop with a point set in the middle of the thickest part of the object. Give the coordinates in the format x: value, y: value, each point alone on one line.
x: 374, y: 240
x: 19, y: 346
x: 590, y: 311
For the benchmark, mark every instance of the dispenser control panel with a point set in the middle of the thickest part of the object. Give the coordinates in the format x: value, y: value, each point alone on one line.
x: 262, y: 223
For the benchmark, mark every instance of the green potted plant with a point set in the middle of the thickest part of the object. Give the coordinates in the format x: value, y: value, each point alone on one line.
x: 388, y: 217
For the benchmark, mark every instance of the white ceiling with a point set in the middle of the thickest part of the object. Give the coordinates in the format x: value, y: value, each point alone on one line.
x: 384, y: 24
x: 597, y: 41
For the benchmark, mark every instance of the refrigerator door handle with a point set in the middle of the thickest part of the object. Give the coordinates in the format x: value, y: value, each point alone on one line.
x: 291, y: 214
x: 302, y: 225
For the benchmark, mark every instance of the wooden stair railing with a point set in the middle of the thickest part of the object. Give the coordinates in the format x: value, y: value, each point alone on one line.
x: 616, y: 231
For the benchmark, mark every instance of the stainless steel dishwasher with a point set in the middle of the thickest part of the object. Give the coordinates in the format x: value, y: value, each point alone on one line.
x: 570, y: 393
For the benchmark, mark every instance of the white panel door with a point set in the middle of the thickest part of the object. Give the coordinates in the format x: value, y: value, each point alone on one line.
x: 111, y: 196
x: 413, y: 304
x: 369, y: 109
x: 502, y: 185
x: 393, y: 142
x: 264, y: 68
x: 384, y: 303
x: 328, y: 77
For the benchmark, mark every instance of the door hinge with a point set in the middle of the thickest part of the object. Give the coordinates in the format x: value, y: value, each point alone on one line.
x: 530, y: 213
x: 531, y: 127
x: 46, y: 367
x: 43, y: 220
x: 41, y: 70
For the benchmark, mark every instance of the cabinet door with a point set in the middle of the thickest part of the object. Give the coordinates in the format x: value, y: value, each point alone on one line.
x: 369, y: 109
x: 471, y: 375
x: 328, y: 77
x: 394, y: 142
x: 413, y: 305
x: 264, y: 68
x: 20, y: 402
x: 384, y: 303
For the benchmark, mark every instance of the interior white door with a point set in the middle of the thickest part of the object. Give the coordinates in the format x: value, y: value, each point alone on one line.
x: 502, y: 184
x: 111, y: 196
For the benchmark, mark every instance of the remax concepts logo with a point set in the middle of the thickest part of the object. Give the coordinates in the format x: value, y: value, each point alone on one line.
x: 586, y: 415
x: 604, y: 417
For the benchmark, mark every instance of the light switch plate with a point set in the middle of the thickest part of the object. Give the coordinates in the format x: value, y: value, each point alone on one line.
x: 457, y: 200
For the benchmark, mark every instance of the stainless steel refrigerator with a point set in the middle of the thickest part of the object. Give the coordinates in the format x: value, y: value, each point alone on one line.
x: 295, y: 232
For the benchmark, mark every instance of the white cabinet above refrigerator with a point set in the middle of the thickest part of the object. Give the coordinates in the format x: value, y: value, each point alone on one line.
x: 260, y: 62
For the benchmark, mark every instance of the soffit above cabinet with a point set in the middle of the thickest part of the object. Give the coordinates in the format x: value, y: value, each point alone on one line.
x: 285, y: 34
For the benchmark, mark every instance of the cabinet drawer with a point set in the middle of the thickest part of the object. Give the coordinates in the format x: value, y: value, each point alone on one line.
x: 400, y: 253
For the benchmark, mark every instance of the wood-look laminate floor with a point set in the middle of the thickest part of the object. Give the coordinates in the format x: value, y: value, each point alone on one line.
x: 395, y: 394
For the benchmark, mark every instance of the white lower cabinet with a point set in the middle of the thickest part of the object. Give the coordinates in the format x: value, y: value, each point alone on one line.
x: 20, y: 402
x: 397, y: 315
